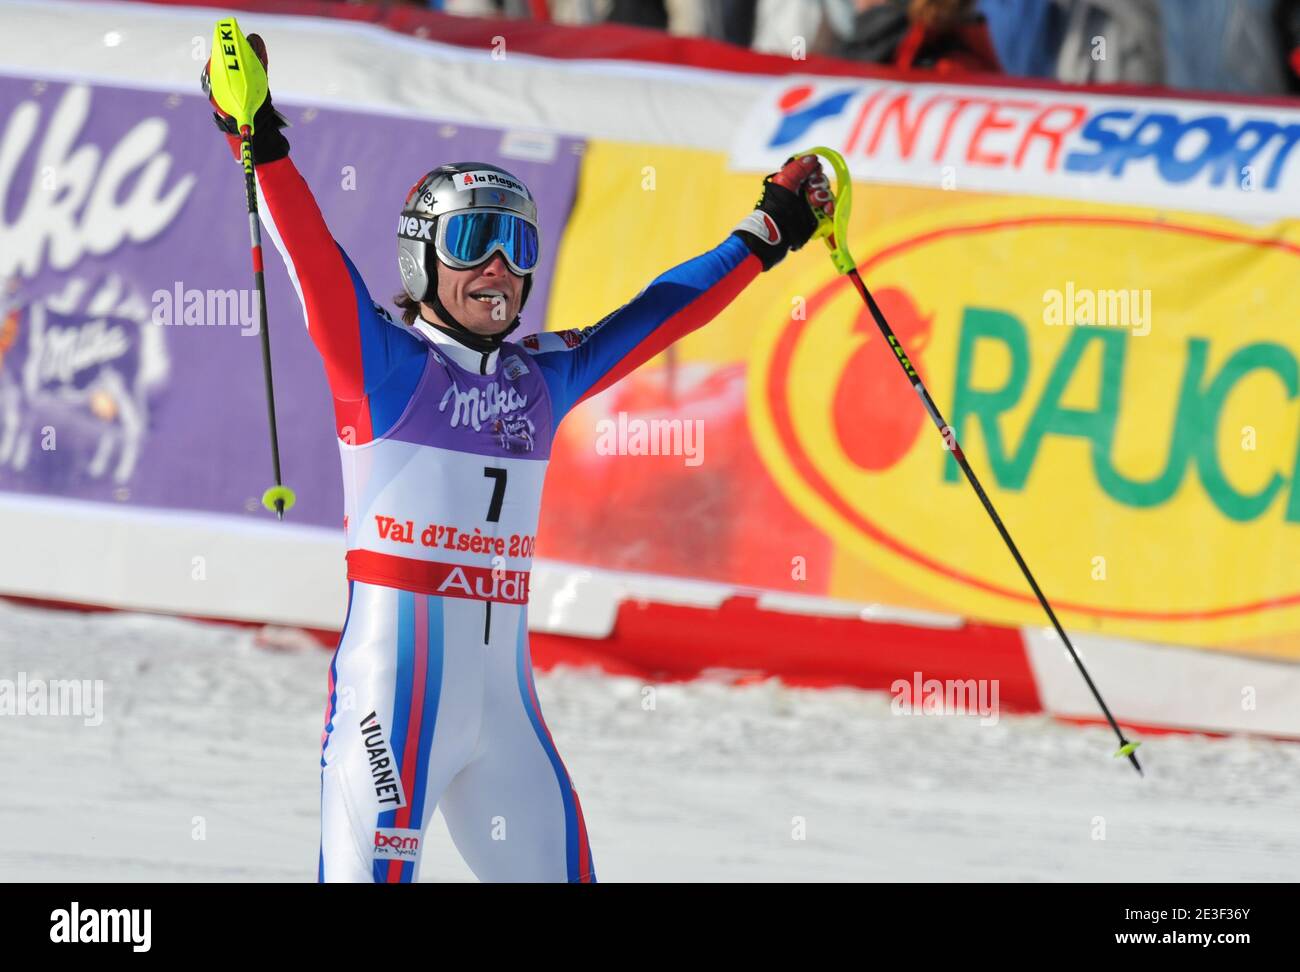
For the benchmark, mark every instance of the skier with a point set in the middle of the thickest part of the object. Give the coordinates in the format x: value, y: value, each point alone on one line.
x: 444, y: 430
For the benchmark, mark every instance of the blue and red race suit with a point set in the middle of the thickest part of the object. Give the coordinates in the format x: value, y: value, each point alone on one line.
x: 431, y: 695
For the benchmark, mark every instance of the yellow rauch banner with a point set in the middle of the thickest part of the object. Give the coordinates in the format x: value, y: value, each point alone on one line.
x: 1124, y: 382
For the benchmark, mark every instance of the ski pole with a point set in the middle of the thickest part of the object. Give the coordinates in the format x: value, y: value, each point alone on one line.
x: 834, y: 230
x: 239, y: 86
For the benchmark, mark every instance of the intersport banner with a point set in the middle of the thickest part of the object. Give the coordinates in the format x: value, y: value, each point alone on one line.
x: 1234, y: 158
x: 1123, y: 378
x: 130, y: 362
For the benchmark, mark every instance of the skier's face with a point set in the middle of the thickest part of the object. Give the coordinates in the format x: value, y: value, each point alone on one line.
x: 484, y: 298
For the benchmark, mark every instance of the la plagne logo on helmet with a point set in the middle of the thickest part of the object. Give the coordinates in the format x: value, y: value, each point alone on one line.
x: 486, y: 178
x: 480, y: 405
x: 415, y: 228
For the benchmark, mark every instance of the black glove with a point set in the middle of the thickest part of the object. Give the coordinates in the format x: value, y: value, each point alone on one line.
x: 784, y: 219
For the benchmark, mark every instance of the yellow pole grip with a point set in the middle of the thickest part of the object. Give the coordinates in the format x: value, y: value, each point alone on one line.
x: 236, y: 78
x: 834, y: 229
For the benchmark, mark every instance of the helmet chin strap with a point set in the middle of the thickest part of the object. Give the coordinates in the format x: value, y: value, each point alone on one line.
x: 447, y: 323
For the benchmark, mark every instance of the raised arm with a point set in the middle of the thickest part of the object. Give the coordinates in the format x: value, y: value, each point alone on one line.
x: 581, y: 363
x: 372, y: 364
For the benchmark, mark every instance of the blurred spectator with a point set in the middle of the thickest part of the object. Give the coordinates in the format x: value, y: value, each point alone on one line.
x: 1239, y: 46
x: 945, y: 35
x: 468, y: 8
x: 1218, y: 46
x: 639, y: 13
x: 1026, y: 34
x: 1212, y: 45
x: 779, y: 24
x: 1288, y: 27
x: 731, y: 21
x: 490, y: 8
x: 1112, y: 41
x: 578, y: 11
x: 727, y: 20
x: 723, y: 19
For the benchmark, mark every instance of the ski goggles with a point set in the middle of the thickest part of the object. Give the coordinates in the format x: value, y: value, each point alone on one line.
x: 465, y: 239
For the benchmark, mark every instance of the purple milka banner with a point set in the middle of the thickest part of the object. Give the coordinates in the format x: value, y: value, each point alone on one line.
x: 120, y: 209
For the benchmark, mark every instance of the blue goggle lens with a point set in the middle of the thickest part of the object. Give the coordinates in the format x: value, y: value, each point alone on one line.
x: 471, y: 237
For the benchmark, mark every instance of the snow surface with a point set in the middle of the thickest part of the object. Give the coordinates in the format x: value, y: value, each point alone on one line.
x: 204, y: 729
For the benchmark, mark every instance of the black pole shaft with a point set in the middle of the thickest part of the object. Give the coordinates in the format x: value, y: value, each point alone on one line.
x: 950, y: 440
x: 259, y: 286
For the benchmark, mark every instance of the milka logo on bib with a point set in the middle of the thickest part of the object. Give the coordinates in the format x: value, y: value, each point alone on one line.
x: 477, y: 406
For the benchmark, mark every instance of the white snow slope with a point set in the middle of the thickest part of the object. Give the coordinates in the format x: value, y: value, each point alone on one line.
x: 205, y: 768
